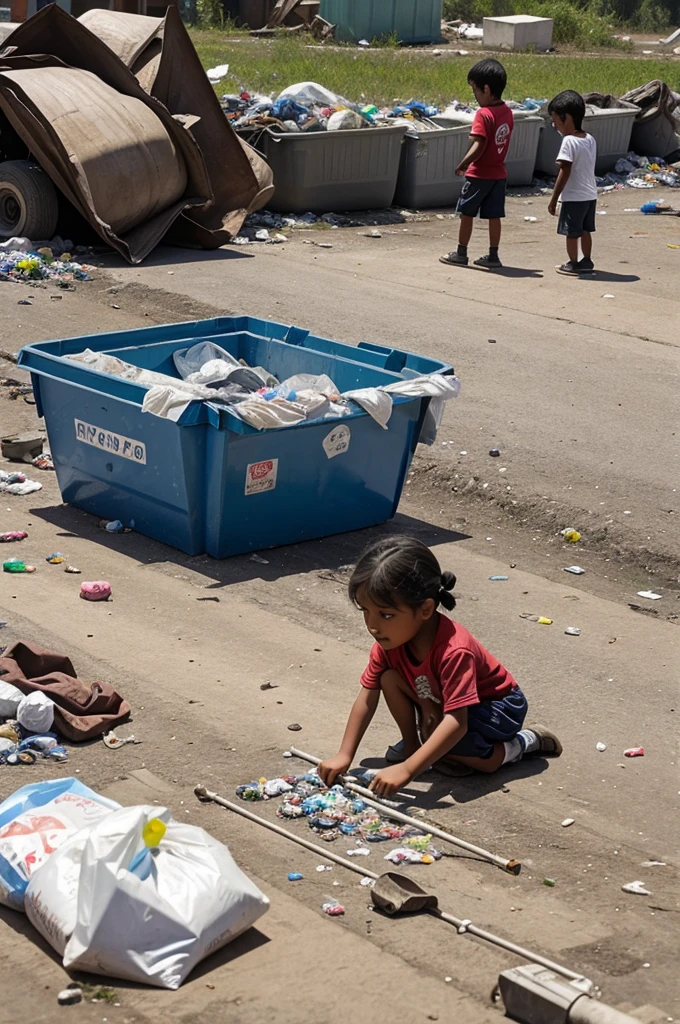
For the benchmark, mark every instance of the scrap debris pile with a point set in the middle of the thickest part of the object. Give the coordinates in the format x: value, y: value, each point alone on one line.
x: 633, y: 171
x: 337, y: 812
x: 20, y: 262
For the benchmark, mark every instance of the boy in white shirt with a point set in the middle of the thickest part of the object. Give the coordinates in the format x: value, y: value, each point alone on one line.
x: 575, y: 183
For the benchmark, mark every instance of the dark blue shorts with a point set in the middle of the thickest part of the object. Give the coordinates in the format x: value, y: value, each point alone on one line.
x: 494, y: 721
x: 483, y: 197
x: 577, y: 217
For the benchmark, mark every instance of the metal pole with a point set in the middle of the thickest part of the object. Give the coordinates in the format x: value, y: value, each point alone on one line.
x: 513, y: 867
x: 463, y: 927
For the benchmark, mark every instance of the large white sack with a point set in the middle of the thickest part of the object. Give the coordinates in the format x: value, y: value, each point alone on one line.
x: 102, y: 917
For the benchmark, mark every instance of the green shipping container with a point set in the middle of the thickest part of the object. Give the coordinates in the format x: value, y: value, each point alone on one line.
x: 414, y: 21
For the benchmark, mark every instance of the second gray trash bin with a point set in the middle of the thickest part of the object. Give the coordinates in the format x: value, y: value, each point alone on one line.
x: 610, y: 127
x: 332, y: 171
x: 521, y: 160
x: 426, y: 174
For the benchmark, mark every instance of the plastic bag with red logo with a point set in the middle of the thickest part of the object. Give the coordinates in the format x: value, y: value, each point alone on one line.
x: 34, y: 822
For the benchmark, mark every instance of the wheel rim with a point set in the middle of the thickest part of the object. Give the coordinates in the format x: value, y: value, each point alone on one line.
x: 10, y: 211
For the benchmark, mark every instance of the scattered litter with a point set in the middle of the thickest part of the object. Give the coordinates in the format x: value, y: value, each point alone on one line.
x: 295, y: 727
x: 44, y: 461
x: 535, y: 618
x: 572, y: 631
x: 114, y: 742
x: 634, y: 752
x: 649, y: 594
x: 72, y: 569
x: 17, y: 483
x: 367, y: 882
x: 24, y: 302
x: 601, y: 747
x: 494, y: 453
x: 295, y: 876
x: 567, y: 822
x: 56, y: 559
x: 608, y: 296
x: 571, y: 536
x: 653, y: 864
x: 403, y: 855
x: 550, y: 882
x: 7, y: 538
x: 531, y: 220
x: 358, y: 851
x: 498, y: 579
x: 41, y: 266
x: 95, y: 591
x: 636, y: 888
x: 16, y: 565
x: 115, y: 526
x: 373, y: 234
x: 575, y: 569
x: 269, y: 686
x: 287, y: 753
x: 70, y: 996
x: 324, y: 867
x: 216, y: 74
x: 333, y: 908
x: 259, y: 560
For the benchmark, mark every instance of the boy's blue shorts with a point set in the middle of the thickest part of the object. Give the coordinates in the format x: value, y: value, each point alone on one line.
x: 484, y: 197
x: 494, y: 721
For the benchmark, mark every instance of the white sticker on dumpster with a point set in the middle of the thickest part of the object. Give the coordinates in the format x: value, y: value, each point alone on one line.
x: 337, y: 442
x: 117, y: 444
x: 261, y: 476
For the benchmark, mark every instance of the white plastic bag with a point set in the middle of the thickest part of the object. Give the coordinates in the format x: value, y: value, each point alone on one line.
x: 344, y: 120
x: 10, y: 699
x: 153, y: 924
x: 34, y: 822
x: 36, y: 712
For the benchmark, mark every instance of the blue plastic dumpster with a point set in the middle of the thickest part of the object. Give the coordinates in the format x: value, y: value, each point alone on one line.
x: 209, y: 482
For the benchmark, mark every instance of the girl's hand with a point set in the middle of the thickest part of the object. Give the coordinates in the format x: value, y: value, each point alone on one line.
x: 334, y: 766
x: 389, y: 780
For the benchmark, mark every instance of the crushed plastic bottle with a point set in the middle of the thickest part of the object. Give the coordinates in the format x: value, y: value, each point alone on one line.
x: 7, y: 538
x: 333, y: 908
x: 16, y: 565
x: 571, y: 536
x: 634, y: 752
x: 295, y: 876
x: 55, y: 559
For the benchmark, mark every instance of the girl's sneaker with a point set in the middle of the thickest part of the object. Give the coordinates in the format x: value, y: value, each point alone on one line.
x: 569, y: 269
x: 585, y: 266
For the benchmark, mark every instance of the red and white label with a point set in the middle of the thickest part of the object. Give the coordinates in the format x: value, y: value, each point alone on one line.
x: 261, y: 476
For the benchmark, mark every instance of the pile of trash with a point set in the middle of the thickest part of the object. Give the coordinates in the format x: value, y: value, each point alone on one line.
x: 633, y: 171
x: 337, y: 812
x: 208, y: 373
x: 83, y: 868
x: 19, y: 261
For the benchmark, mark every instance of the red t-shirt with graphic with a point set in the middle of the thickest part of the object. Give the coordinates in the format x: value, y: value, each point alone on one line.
x: 494, y: 125
x: 457, y: 672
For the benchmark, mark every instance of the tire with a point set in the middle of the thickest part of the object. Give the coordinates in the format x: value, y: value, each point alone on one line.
x: 29, y: 205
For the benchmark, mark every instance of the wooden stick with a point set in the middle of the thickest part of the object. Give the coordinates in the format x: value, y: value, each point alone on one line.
x: 513, y: 867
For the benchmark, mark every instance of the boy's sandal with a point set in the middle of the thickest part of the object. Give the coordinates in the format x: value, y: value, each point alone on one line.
x: 568, y: 269
x: 454, y: 260
x: 488, y: 262
x: 549, y: 744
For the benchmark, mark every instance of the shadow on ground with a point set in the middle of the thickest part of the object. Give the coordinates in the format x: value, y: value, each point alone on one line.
x: 332, y: 554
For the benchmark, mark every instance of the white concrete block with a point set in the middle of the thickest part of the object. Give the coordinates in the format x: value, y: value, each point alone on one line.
x: 517, y: 32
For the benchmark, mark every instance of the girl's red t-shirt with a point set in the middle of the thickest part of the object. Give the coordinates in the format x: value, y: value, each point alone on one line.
x: 457, y: 672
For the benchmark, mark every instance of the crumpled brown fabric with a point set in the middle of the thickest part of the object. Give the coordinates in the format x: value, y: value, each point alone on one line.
x: 82, y: 710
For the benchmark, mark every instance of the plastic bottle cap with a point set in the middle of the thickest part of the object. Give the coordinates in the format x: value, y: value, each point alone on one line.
x: 153, y: 832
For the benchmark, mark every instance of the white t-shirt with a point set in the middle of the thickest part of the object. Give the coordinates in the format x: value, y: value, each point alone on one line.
x: 581, y: 154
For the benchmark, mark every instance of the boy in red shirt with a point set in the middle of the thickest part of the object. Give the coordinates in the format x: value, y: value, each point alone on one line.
x: 483, y: 165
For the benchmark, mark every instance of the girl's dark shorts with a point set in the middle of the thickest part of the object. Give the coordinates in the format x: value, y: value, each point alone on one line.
x: 494, y: 721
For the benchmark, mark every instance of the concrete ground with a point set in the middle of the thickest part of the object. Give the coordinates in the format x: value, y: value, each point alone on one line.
x: 580, y: 394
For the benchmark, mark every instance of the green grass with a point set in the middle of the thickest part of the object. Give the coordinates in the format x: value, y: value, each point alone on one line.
x: 381, y: 76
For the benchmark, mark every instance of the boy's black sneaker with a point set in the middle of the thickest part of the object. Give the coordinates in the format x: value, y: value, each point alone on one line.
x: 490, y: 262
x: 569, y: 269
x: 585, y: 266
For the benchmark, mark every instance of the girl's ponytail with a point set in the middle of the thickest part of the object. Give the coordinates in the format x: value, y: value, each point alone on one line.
x: 446, y: 598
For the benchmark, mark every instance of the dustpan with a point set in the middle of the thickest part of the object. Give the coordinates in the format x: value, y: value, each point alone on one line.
x: 399, y: 894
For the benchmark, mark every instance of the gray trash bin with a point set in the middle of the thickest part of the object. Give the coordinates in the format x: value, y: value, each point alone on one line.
x: 426, y: 174
x: 329, y: 171
x: 521, y: 160
x: 610, y: 127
